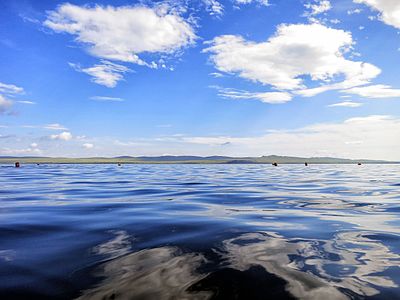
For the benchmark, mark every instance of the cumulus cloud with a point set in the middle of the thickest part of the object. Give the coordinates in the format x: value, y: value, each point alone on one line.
x: 346, y: 104
x: 295, y: 51
x: 106, y: 73
x: 63, y: 136
x: 389, y: 10
x: 375, y: 91
x: 123, y: 33
x: 88, y: 146
x: 266, y: 97
x: 105, y: 98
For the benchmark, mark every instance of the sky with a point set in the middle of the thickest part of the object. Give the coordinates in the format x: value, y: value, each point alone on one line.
x: 203, y: 77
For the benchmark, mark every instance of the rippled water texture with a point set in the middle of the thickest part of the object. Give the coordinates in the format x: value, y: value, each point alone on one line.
x: 200, y: 232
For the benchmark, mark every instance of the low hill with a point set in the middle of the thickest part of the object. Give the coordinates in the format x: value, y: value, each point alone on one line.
x: 169, y: 159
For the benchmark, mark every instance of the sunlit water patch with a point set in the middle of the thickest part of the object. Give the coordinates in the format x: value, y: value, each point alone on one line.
x: 200, y: 232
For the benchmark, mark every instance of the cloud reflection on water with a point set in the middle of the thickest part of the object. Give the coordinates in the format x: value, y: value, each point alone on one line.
x: 347, y: 266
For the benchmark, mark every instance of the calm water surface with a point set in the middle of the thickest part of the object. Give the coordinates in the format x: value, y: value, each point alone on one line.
x: 200, y: 232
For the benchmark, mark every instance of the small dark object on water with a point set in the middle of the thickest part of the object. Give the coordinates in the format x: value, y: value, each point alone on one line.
x: 306, y: 164
x: 275, y: 164
x: 119, y: 164
x: 38, y: 164
x: 17, y: 164
x: 359, y: 164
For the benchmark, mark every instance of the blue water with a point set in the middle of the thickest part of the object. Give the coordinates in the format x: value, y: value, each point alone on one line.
x: 200, y: 232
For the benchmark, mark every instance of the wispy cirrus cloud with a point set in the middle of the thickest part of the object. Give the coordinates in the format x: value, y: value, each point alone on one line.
x: 346, y: 104
x: 377, y: 91
x: 106, y: 99
x: 26, y: 102
x: 10, y: 89
x: 266, y: 97
x: 6, y: 91
x: 259, y: 2
x: 54, y: 126
x: 106, y: 73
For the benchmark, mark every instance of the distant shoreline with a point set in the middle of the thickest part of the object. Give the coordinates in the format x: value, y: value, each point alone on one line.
x: 190, y: 160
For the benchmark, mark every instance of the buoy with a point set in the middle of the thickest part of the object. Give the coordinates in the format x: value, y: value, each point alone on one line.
x: 275, y: 164
x: 17, y: 164
x: 306, y: 164
x: 119, y: 164
x: 359, y: 164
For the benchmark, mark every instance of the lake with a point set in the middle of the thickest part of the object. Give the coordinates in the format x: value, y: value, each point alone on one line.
x: 200, y: 232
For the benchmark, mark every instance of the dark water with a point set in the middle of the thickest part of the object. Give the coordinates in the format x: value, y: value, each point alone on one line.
x: 200, y: 232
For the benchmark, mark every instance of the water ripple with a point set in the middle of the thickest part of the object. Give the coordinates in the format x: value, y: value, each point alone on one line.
x: 200, y: 232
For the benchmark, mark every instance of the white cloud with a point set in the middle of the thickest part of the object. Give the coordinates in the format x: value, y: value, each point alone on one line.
x: 346, y: 104
x: 88, y: 146
x: 10, y: 89
x: 63, y: 136
x: 105, y: 98
x: 318, y: 6
x: 34, y: 145
x: 5, y: 104
x: 373, y: 137
x: 31, y: 151
x: 266, y: 97
x: 106, y: 73
x: 214, y: 7
x: 260, y: 2
x: 26, y: 102
x: 389, y: 10
x: 55, y: 126
x: 294, y: 51
x: 122, y: 33
x: 216, y: 75
x: 354, y: 11
x: 374, y: 91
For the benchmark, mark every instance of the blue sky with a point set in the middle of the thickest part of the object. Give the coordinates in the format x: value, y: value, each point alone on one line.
x: 205, y: 77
